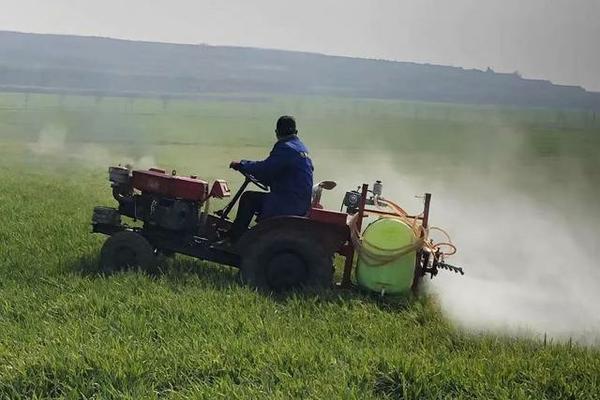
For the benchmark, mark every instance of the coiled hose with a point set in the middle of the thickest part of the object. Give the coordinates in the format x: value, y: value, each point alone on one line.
x: 377, y: 256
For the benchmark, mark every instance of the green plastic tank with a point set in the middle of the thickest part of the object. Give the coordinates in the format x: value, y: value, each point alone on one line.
x: 395, y: 277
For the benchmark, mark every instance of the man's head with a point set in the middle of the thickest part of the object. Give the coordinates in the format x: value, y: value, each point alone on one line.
x: 286, y: 126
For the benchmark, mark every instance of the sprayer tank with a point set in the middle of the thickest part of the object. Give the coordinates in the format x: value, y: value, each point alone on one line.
x: 382, y: 237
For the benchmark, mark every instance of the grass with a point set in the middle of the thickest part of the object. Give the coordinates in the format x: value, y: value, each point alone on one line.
x: 194, y: 332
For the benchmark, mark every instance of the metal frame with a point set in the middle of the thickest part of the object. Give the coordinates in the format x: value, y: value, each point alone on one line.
x: 348, y: 250
x: 419, y: 268
x: 189, y: 245
x: 224, y: 213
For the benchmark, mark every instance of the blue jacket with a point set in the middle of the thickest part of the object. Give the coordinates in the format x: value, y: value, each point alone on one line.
x: 289, y: 173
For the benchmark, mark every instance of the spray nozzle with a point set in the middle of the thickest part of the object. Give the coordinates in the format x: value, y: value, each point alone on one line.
x: 377, y: 188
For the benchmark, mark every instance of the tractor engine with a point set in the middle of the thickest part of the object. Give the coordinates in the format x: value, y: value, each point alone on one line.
x: 157, y: 198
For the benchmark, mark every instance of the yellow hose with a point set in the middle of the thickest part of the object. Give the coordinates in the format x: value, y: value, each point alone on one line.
x: 448, y: 244
x: 383, y: 256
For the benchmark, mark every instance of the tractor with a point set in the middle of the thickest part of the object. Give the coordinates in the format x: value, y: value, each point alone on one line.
x: 162, y: 213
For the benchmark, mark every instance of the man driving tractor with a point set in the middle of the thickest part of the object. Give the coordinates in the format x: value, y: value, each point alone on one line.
x: 289, y: 248
x: 288, y: 171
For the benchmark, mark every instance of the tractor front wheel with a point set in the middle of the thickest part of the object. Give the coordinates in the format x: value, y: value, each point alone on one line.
x: 286, y: 259
x: 126, y: 250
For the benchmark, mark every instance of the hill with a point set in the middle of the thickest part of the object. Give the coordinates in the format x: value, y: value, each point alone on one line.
x: 102, y: 66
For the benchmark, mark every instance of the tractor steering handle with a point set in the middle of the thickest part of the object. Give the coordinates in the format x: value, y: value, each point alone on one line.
x: 252, y: 179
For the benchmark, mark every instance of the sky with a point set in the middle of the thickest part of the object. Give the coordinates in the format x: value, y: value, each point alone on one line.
x: 543, y: 39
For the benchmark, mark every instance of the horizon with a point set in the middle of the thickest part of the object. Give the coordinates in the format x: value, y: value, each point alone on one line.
x: 91, y: 36
x: 544, y: 41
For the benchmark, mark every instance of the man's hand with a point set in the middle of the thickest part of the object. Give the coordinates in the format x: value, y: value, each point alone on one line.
x: 234, y: 165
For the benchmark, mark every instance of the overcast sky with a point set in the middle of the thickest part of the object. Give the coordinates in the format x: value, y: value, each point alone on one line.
x: 551, y: 39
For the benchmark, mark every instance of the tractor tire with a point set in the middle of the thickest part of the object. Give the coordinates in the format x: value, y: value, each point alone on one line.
x: 127, y: 250
x: 287, y: 259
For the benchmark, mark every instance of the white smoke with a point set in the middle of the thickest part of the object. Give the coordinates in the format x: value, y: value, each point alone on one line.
x: 527, y: 269
x: 531, y: 268
x: 53, y: 142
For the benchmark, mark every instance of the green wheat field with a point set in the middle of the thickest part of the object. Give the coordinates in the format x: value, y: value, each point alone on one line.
x: 193, y: 331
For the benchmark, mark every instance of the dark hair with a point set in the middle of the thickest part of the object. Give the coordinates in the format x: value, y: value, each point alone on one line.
x: 286, y: 125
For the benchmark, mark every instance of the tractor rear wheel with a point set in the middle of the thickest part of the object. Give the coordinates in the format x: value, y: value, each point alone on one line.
x: 286, y: 259
x: 125, y: 250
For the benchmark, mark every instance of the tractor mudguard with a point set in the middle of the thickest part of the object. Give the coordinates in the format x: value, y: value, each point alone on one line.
x: 329, y: 236
x: 282, y: 253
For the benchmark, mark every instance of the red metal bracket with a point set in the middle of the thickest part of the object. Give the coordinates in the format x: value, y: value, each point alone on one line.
x: 349, y: 263
x: 418, y: 267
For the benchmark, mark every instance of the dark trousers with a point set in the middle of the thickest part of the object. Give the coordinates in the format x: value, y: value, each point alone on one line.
x: 250, y: 204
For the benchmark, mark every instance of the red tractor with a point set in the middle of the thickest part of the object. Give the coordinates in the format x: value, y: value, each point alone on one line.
x: 170, y: 214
